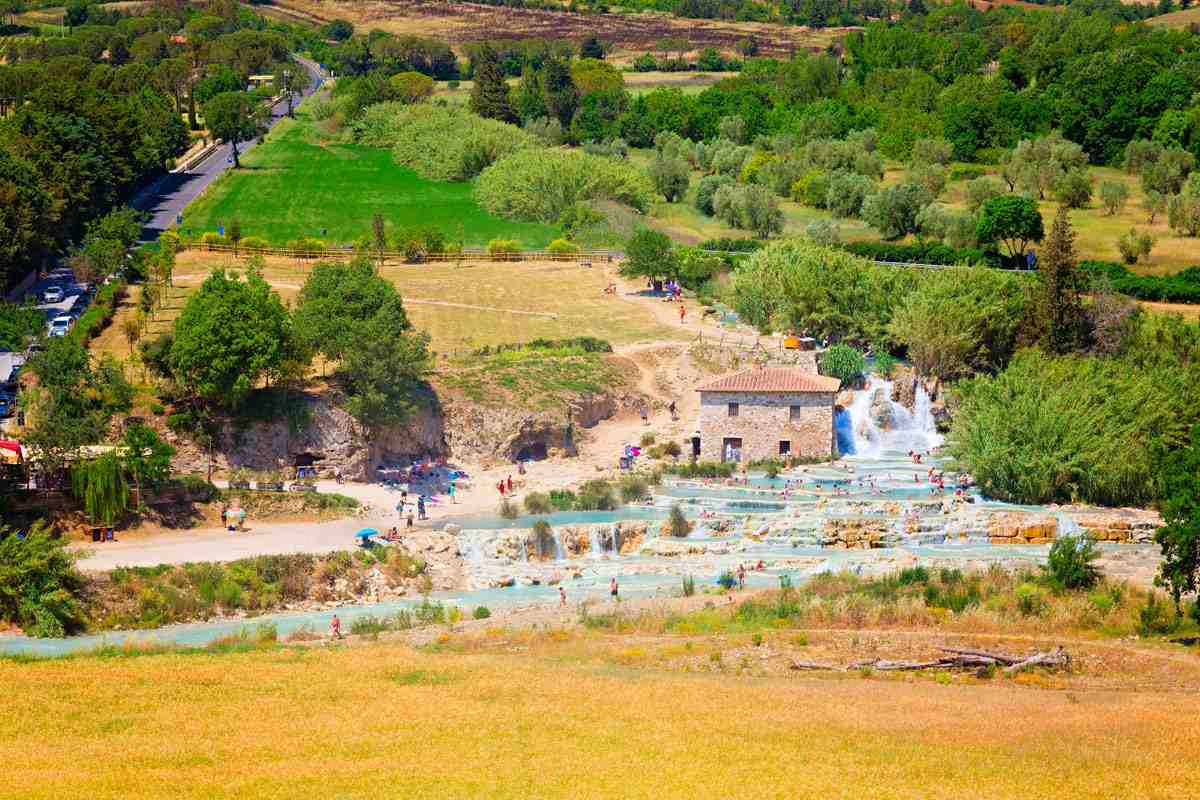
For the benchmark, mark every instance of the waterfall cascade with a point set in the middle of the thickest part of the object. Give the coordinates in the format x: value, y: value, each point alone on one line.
x: 878, y: 423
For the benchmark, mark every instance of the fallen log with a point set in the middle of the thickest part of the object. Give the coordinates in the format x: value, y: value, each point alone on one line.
x: 1000, y: 658
x: 814, y: 665
x: 1055, y: 658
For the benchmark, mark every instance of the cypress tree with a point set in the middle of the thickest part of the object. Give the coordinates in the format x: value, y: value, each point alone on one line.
x: 489, y: 97
x: 1062, y: 321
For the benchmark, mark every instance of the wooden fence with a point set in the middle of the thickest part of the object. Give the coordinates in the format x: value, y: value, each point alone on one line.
x: 586, y: 257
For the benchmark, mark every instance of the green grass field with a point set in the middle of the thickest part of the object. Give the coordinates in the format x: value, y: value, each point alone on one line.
x: 294, y: 186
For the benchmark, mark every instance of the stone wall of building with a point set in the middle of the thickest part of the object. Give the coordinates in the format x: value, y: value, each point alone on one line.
x: 763, y: 421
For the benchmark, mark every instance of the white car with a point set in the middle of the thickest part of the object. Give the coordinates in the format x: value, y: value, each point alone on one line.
x: 54, y: 294
x: 59, y: 325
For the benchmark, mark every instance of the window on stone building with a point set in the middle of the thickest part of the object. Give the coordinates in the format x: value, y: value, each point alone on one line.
x: 733, y: 409
x: 794, y: 413
x: 785, y: 447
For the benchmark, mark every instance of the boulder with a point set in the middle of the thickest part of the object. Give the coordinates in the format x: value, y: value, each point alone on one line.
x: 853, y: 533
x: 881, y: 410
x: 1106, y: 527
x: 1019, y: 527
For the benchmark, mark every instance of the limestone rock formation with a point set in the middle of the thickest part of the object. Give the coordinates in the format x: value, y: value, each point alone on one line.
x: 1018, y: 527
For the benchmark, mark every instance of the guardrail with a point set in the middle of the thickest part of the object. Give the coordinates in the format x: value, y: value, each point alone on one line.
x: 584, y: 256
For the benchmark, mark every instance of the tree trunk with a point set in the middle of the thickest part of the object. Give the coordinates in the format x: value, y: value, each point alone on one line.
x: 236, y: 163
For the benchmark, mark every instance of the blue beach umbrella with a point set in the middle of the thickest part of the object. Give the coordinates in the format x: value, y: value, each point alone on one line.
x: 367, y: 533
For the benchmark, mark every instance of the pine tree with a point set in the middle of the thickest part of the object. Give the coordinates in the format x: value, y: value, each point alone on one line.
x: 1060, y: 306
x: 489, y: 97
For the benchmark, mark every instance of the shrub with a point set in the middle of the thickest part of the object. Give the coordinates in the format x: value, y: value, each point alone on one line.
x: 596, y: 495
x: 689, y: 586
x: 843, y: 362
x: 980, y: 190
x: 1157, y: 618
x: 1071, y: 562
x: 1031, y: 600
x: 561, y: 247
x: 751, y: 208
x: 481, y: 612
x: 634, y: 488
x: 213, y: 238
x: 538, y: 185
x: 40, y: 587
x: 885, y: 364
x: 824, y: 232
x: 812, y: 189
x: 537, y: 503
x: 706, y: 189
x: 1134, y: 246
x: 446, y: 143
x: 508, y: 509
x: 893, y: 211
x: 846, y: 193
x: 677, y: 523
x: 429, y: 612
x: 504, y: 249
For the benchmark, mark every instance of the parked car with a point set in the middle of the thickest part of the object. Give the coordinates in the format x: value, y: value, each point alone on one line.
x: 60, y: 325
x: 53, y: 294
x: 8, y: 404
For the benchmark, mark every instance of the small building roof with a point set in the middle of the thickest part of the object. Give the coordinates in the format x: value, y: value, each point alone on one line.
x: 772, y: 379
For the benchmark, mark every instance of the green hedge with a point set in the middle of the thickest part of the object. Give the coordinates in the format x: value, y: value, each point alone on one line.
x: 932, y: 253
x: 1182, y: 287
x: 728, y: 245
x: 98, y: 315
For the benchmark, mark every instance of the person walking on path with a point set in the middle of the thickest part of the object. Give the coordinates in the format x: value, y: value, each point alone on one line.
x: 450, y: 491
x: 674, y: 414
x: 682, y: 312
x: 421, y: 507
x: 335, y: 627
x: 741, y: 576
x: 645, y: 414
x: 500, y: 486
x: 562, y: 596
x: 509, y: 483
x: 613, y: 588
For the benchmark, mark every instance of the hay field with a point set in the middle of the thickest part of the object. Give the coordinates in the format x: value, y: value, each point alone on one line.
x: 560, y: 715
x: 462, y: 307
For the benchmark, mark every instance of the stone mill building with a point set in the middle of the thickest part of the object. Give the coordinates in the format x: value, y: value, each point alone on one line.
x: 764, y: 414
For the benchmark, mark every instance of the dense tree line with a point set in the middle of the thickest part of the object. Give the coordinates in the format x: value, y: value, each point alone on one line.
x: 88, y: 118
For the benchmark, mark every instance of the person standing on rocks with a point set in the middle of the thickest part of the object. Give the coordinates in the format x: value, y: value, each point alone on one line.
x: 613, y: 589
x: 562, y: 596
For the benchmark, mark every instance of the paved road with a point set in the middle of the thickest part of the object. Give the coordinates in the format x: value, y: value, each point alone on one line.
x: 168, y: 198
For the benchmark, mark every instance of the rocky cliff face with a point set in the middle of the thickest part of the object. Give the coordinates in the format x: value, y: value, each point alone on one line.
x: 904, y: 391
x: 458, y: 429
x: 331, y: 439
x: 483, y: 433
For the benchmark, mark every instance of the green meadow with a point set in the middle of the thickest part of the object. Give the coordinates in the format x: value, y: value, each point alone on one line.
x: 294, y: 185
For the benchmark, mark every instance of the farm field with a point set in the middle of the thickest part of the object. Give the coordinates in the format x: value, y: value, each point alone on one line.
x: 462, y: 23
x: 578, y: 714
x: 293, y: 186
x: 463, y: 307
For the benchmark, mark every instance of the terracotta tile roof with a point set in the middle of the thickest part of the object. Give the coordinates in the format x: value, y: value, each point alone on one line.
x: 775, y: 379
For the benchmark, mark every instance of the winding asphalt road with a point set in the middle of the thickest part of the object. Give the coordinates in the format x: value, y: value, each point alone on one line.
x: 167, y: 199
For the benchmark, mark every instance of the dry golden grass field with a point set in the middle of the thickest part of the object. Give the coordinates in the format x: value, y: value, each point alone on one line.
x: 462, y: 307
x: 579, y: 714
